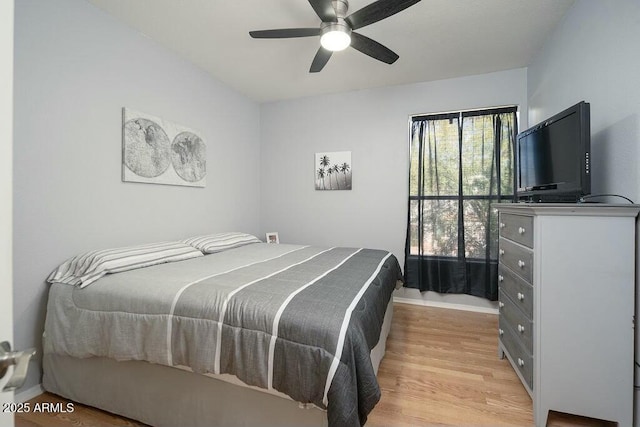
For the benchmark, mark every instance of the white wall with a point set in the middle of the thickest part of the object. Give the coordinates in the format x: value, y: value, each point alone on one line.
x: 6, y: 189
x: 594, y: 56
x: 373, y: 125
x: 75, y: 68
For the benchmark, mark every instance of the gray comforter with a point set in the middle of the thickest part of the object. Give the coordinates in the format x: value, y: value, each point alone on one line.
x: 301, y: 320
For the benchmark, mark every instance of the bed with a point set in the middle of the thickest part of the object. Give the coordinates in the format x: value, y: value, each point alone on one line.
x: 261, y: 334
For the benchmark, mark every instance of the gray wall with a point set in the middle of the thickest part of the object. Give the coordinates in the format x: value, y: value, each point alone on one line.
x: 373, y: 125
x: 75, y: 68
x: 594, y: 56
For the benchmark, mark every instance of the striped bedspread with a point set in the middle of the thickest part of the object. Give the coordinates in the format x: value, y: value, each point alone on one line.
x: 298, y: 319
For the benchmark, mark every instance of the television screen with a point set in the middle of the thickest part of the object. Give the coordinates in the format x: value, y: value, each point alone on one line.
x: 547, y: 163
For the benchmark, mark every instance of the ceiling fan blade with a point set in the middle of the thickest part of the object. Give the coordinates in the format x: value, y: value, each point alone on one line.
x: 285, y: 33
x: 377, y: 11
x: 324, y: 9
x: 373, y: 48
x: 320, y: 60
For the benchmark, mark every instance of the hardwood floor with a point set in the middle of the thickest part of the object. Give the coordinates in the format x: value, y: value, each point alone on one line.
x: 441, y: 368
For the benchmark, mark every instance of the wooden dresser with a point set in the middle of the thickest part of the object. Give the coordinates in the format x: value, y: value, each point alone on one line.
x: 567, y: 295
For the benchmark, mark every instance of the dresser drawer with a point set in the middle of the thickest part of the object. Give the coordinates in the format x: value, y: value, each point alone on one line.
x: 518, y: 228
x: 520, y: 292
x: 520, y: 323
x: 518, y: 258
x: 523, y: 361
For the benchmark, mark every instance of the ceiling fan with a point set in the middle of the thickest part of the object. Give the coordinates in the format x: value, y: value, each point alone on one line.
x: 337, y: 29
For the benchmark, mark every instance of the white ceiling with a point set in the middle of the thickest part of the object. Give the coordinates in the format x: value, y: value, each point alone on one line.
x: 436, y: 39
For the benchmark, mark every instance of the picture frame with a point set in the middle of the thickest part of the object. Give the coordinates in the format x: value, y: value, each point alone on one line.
x: 333, y: 171
x: 273, y: 237
x: 157, y: 151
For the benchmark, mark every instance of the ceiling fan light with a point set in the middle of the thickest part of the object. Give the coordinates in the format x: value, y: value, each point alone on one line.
x: 335, y: 40
x: 335, y: 35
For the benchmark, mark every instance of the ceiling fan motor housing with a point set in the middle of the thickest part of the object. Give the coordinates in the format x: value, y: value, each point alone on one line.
x: 336, y: 35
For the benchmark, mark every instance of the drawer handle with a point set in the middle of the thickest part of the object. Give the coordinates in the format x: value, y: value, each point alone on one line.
x: 521, y: 263
x: 520, y: 296
x: 500, y: 304
x: 502, y: 225
x: 501, y: 251
x: 521, y: 230
x: 520, y: 362
x: 500, y: 278
x: 521, y: 329
x: 500, y: 332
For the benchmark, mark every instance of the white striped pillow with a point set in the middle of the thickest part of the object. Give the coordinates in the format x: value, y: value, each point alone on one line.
x: 213, y: 243
x: 86, y: 268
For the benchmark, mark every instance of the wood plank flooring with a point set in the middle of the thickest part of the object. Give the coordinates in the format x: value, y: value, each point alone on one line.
x: 441, y: 368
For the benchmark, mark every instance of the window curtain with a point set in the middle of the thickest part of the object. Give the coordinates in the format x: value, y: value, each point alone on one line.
x: 460, y: 164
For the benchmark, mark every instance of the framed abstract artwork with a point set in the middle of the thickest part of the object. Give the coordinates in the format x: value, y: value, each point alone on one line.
x: 157, y: 151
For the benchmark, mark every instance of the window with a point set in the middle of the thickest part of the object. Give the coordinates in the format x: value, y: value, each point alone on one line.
x: 460, y: 163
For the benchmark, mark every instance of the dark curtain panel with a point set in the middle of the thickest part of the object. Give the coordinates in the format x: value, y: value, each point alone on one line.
x: 460, y: 164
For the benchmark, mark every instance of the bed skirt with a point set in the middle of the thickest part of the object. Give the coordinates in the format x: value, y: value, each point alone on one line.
x: 159, y: 395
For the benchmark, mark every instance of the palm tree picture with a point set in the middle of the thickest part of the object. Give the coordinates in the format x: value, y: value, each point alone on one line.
x: 333, y: 170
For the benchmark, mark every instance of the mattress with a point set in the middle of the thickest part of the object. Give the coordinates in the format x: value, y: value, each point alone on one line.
x: 297, y: 320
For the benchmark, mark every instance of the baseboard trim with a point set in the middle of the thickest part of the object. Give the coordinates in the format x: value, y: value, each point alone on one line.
x: 28, y: 394
x: 448, y: 305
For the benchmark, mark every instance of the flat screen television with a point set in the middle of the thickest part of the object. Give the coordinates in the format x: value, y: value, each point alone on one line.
x: 553, y: 158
